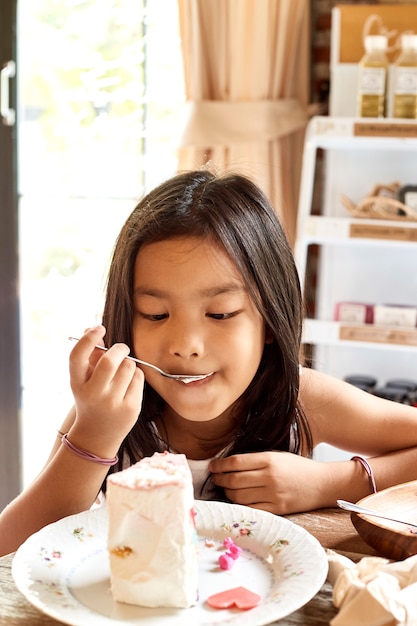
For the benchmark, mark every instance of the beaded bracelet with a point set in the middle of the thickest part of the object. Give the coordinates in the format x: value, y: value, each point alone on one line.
x: 87, y: 455
x: 368, y: 470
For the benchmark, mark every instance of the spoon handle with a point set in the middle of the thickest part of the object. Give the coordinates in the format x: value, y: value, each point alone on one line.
x: 132, y: 358
x: 186, y: 378
x: 356, y: 508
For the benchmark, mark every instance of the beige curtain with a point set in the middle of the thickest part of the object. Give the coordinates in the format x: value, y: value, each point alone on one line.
x: 246, y: 67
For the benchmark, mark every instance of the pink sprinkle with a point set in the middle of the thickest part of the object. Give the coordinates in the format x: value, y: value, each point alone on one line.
x: 228, y: 542
x: 226, y: 561
x: 234, y: 551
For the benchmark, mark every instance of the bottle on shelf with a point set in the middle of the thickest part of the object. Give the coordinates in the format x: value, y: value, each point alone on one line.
x: 363, y: 381
x: 410, y: 386
x: 405, y: 79
x: 372, y: 77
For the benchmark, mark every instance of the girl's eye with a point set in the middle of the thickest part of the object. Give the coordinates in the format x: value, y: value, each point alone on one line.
x: 154, y: 318
x: 222, y: 316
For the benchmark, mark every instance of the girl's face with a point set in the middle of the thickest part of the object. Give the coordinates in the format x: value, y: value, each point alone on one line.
x: 193, y: 315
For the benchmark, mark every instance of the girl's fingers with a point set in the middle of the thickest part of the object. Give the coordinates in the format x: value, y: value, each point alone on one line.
x: 126, y: 376
x: 80, y: 357
x: 246, y: 497
x: 238, y: 463
x: 240, y: 480
x: 88, y: 362
x: 106, y: 375
x: 134, y: 392
x: 111, y: 363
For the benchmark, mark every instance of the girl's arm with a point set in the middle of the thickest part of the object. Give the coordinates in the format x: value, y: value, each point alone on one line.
x: 66, y: 485
x: 283, y: 482
x: 341, y: 415
x: 108, y: 393
x: 354, y: 420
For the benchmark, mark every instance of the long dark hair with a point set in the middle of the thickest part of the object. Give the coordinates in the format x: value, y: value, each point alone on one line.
x: 234, y: 213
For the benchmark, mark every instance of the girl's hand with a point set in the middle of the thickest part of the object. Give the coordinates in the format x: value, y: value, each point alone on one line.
x: 108, y: 391
x: 278, y: 482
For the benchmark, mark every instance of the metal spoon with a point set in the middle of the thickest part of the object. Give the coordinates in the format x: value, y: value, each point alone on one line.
x: 185, y: 378
x: 355, y: 508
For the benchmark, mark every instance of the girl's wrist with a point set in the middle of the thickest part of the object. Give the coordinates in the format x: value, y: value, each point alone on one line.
x: 367, y: 468
x: 85, y: 454
x: 346, y: 480
x: 360, y: 479
x: 93, y: 444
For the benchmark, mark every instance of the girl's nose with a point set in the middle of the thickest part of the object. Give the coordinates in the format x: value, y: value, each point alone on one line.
x: 186, y: 347
x: 186, y: 341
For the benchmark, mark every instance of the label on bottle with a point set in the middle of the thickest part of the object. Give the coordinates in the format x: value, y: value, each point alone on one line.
x: 406, y: 80
x: 372, y: 81
x: 351, y: 312
x: 395, y: 316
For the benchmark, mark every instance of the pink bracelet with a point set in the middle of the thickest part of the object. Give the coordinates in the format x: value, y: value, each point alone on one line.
x: 87, y: 455
x: 368, y: 470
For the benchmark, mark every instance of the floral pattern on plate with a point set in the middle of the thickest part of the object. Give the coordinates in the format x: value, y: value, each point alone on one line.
x: 64, y: 570
x: 242, y: 528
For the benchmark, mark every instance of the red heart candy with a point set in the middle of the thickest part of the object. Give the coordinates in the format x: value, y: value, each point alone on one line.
x: 239, y: 596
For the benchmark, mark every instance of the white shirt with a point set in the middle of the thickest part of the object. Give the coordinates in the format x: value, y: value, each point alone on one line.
x: 200, y: 473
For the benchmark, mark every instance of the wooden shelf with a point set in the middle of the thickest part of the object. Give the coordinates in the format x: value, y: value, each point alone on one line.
x: 371, y: 261
x: 369, y: 134
x: 369, y: 335
x: 328, y: 230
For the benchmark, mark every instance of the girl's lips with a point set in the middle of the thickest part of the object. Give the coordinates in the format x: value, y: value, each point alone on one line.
x: 193, y: 383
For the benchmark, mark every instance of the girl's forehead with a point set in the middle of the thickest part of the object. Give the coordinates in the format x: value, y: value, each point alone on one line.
x: 182, y: 258
x: 180, y: 250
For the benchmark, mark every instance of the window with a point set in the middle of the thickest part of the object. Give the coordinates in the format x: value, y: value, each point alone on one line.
x: 100, y: 90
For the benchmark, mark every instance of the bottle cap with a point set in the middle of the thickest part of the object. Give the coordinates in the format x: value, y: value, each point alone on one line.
x: 409, y: 42
x: 396, y: 394
x: 376, y: 42
x: 403, y: 383
x: 367, y: 383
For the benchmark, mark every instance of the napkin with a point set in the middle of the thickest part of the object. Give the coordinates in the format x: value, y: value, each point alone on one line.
x: 373, y: 592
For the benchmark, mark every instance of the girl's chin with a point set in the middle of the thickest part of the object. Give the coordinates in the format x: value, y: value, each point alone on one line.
x: 197, y: 416
x: 197, y: 419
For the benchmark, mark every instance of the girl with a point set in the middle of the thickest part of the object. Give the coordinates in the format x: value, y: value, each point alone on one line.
x: 203, y: 281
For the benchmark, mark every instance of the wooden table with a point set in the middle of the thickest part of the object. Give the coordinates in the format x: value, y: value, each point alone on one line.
x: 332, y: 527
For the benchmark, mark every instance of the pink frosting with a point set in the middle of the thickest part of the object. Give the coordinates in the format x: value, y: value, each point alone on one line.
x: 159, y: 470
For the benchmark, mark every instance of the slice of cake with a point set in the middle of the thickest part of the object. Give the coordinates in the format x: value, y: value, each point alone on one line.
x: 152, y: 536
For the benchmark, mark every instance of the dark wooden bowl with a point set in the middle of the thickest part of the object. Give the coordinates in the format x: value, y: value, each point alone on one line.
x: 391, y: 540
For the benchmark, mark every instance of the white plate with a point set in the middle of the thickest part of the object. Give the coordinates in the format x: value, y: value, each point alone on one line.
x: 63, y: 569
